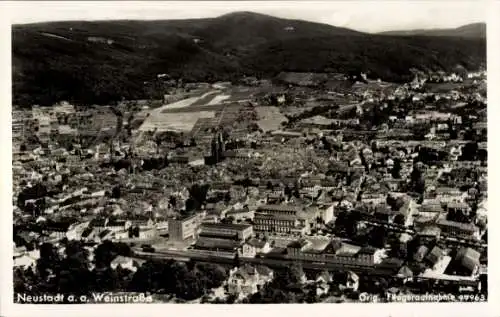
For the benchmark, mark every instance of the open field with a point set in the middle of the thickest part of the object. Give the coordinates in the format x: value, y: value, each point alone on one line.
x: 211, y: 101
x: 239, y: 94
x: 194, y: 108
x: 190, y: 101
x: 206, y: 99
x: 219, y: 99
x: 176, y: 116
x: 181, y: 121
x: 270, y: 118
x: 183, y: 115
x: 302, y: 79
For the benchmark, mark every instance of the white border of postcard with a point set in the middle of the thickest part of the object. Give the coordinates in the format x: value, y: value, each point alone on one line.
x: 7, y: 308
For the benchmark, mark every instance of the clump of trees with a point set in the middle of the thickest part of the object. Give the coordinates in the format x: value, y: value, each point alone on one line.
x: 73, y: 272
x: 396, y: 169
x: 33, y: 193
x: 417, y: 178
x: 286, y: 287
x: 346, y: 224
x: 107, y: 251
x: 186, y: 281
x: 70, y: 272
x: 197, y: 197
x: 155, y: 163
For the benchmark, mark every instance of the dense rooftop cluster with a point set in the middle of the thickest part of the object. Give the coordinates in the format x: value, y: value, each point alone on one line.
x: 365, y: 186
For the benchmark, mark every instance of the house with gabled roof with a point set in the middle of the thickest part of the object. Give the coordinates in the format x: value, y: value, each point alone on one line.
x: 247, y: 280
x: 253, y: 247
x: 434, y: 256
x: 468, y: 261
x: 324, y: 277
x: 405, y: 273
x: 347, y: 280
x: 421, y: 253
x: 125, y: 262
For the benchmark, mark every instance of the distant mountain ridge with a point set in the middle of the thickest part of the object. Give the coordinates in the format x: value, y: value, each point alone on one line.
x: 473, y: 30
x: 101, y: 61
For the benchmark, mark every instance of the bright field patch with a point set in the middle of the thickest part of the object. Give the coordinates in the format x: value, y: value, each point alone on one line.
x: 270, y: 118
x: 180, y: 121
x: 205, y: 99
x: 182, y: 115
x: 219, y: 99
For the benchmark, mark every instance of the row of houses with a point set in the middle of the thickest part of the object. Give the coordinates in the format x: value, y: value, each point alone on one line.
x: 334, y: 252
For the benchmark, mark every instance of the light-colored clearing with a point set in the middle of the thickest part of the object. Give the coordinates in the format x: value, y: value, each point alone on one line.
x: 270, y: 118
x: 174, y: 121
x: 180, y: 104
x: 178, y: 121
x: 218, y: 99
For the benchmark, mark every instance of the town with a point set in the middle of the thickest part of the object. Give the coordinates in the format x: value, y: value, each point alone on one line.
x: 305, y: 188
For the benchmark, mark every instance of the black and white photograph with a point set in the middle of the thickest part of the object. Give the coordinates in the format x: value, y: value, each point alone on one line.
x: 238, y: 152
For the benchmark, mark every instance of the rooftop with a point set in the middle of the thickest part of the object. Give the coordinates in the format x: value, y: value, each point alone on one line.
x: 230, y: 226
x: 384, y: 209
x: 214, y: 243
x: 271, y: 208
x: 121, y: 260
x: 459, y: 225
x: 257, y: 243
x: 318, y: 244
x: 468, y: 257
x: 457, y: 205
x: 298, y: 244
x: 435, y: 254
x: 264, y: 215
x: 367, y: 250
x: 431, y: 207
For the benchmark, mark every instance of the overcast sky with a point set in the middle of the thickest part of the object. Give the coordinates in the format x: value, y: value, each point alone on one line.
x: 368, y: 15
